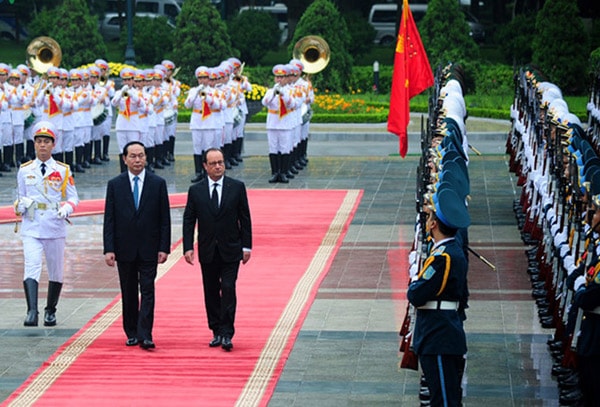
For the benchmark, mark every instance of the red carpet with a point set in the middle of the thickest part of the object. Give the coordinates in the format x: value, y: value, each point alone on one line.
x: 296, y: 235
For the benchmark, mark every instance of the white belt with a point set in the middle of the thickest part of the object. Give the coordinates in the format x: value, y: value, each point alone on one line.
x: 440, y: 305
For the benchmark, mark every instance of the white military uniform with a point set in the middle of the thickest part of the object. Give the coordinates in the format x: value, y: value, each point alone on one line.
x: 43, y: 230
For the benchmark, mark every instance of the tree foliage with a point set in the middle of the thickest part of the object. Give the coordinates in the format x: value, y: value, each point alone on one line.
x: 517, y: 37
x: 72, y: 26
x: 254, y: 33
x: 152, y: 39
x: 322, y: 18
x: 201, y: 38
x: 361, y: 32
x: 445, y: 34
x: 561, y: 45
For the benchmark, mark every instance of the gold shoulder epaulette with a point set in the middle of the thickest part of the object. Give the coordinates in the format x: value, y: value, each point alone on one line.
x: 63, y: 164
x: 26, y: 164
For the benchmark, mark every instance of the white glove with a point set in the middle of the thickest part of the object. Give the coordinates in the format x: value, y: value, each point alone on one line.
x: 23, y: 204
x: 569, y: 263
x: 412, y: 272
x: 564, y: 250
x: 64, y: 211
x: 412, y: 257
x: 579, y: 281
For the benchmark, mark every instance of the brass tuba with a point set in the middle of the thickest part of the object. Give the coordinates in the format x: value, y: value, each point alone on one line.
x: 313, y: 51
x: 43, y: 53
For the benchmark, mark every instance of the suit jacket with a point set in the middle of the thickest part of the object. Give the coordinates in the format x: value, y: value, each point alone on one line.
x: 143, y: 232
x: 229, y: 228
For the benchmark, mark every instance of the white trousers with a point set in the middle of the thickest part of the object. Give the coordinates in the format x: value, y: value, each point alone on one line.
x: 54, y: 251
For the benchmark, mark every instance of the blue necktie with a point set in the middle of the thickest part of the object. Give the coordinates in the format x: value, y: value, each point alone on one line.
x: 136, y: 192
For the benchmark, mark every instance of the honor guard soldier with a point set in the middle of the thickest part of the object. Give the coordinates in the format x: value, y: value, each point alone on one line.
x: 438, y: 292
x: 46, y: 196
x: 68, y: 123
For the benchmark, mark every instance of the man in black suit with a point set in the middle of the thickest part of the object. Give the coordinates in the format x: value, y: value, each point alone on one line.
x: 219, y: 206
x: 137, y: 235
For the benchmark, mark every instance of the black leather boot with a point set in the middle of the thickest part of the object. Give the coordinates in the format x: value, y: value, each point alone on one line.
x: 87, y: 155
x: 20, y: 153
x: 77, y: 167
x: 283, y: 163
x: 31, y: 295
x: 122, y: 164
x: 50, y: 310
x: 285, y: 167
x: 170, y: 153
x: 30, y: 150
x: 97, y: 152
x: 69, y: 160
x: 273, y: 160
x: 105, y: 144
x: 198, y: 168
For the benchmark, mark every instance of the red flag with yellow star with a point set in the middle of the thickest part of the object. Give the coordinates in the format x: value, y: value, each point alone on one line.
x: 282, y: 109
x: 412, y: 75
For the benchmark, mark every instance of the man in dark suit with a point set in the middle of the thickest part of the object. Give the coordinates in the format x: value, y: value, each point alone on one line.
x: 219, y: 206
x: 137, y: 235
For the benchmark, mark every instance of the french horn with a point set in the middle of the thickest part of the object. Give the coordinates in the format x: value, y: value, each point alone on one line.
x: 313, y: 51
x: 43, y: 53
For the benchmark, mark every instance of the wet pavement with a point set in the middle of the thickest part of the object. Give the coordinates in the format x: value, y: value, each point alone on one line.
x: 346, y: 353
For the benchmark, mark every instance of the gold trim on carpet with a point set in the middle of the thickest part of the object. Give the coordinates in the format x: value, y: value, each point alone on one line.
x: 57, y: 367
x: 257, y: 384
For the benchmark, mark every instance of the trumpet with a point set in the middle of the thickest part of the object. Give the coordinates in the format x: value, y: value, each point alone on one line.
x: 277, y: 89
x: 48, y: 90
x: 124, y: 91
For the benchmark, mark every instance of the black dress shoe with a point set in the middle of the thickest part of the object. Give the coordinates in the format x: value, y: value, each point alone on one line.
x: 131, y: 342
x: 226, y: 343
x: 216, y: 341
x: 147, y: 344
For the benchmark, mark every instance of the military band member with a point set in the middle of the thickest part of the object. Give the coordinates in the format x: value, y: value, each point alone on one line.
x: 173, y: 87
x: 5, y: 120
x: 18, y: 101
x: 68, y: 123
x: 109, y: 85
x: 279, y: 102
x: 46, y: 197
x: 129, y: 103
x: 51, y: 103
x: 308, y: 99
x: 243, y: 85
x: 29, y: 113
x: 100, y: 98
x: 205, y: 124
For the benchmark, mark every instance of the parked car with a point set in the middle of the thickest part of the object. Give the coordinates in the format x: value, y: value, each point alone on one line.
x: 383, y: 18
x: 8, y: 29
x: 110, y: 29
x: 279, y: 11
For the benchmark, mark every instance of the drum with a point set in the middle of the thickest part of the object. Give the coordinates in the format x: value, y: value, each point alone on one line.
x: 29, y: 118
x: 306, y: 113
x: 237, y: 117
x: 99, y: 114
x: 170, y: 116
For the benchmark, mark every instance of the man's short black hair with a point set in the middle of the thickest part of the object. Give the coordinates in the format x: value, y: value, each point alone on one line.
x: 209, y: 150
x: 130, y: 144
